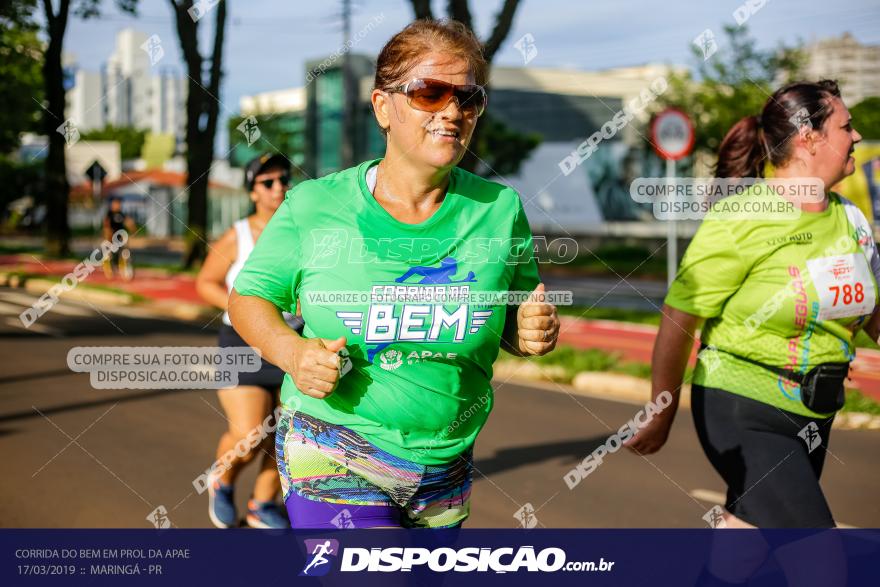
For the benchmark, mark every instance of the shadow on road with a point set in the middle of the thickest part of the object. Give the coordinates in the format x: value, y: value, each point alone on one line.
x: 38, y: 375
x: 128, y: 397
x: 572, y: 451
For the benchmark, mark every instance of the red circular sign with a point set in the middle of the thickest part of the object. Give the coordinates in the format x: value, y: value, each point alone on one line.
x: 672, y: 134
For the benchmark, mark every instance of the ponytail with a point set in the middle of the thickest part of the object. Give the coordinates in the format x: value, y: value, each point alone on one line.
x: 743, y: 151
x: 755, y: 140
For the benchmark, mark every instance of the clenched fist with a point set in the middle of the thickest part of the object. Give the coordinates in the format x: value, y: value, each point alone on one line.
x: 537, y: 325
x: 315, y: 366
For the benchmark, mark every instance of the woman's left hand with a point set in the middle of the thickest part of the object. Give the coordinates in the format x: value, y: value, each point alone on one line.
x: 537, y: 324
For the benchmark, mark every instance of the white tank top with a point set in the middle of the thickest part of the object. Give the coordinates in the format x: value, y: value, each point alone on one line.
x: 245, y: 244
x: 244, y: 240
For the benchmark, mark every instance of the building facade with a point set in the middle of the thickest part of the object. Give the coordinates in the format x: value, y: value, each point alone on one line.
x: 136, y: 88
x: 854, y: 65
x: 280, y: 117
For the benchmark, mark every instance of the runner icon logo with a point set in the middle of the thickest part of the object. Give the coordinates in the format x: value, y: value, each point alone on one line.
x: 343, y: 520
x: 810, y: 434
x: 715, y: 517
x: 159, y: 518
x: 709, y: 358
x: 319, y: 554
x: 344, y: 361
x: 526, y: 516
x: 705, y: 42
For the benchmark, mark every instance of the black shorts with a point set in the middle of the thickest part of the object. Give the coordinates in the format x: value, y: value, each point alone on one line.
x: 772, y: 477
x: 269, y: 377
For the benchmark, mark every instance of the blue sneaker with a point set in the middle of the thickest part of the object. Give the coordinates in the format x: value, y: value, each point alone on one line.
x: 266, y: 515
x: 221, y: 505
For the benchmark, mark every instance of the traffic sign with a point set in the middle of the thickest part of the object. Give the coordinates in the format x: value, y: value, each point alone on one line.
x: 96, y: 173
x: 672, y: 134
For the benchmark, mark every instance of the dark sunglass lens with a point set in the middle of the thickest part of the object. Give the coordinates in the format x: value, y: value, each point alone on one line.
x: 268, y: 183
x: 471, y: 97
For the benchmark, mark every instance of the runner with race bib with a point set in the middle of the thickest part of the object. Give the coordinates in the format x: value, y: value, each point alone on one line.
x: 782, y: 300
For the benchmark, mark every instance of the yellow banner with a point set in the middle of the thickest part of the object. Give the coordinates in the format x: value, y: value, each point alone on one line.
x: 858, y: 186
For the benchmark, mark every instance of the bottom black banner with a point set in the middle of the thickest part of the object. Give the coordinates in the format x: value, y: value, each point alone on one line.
x: 439, y: 557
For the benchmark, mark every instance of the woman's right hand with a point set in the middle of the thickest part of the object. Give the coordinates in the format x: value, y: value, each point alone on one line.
x: 651, y: 437
x: 314, y: 365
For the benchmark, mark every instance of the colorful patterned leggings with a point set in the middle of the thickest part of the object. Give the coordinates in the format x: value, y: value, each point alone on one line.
x: 332, y: 477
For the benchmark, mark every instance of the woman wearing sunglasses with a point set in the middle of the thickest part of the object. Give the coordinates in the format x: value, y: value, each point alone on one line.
x: 247, y: 405
x: 390, y: 384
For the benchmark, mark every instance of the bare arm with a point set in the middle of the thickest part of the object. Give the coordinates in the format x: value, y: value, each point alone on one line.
x: 211, y: 280
x: 312, y: 362
x: 672, y: 347
x: 261, y: 325
x: 675, y: 339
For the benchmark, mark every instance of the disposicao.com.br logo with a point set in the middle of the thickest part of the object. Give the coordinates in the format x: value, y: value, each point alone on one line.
x: 442, y: 560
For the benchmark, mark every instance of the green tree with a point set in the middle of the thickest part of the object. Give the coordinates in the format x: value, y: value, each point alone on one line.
x: 57, y: 188
x: 284, y: 131
x: 501, y: 148
x: 21, y: 80
x: 866, y: 118
x: 131, y: 140
x: 732, y: 83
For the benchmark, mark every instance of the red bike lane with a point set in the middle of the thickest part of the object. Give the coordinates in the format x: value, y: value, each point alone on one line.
x: 635, y: 342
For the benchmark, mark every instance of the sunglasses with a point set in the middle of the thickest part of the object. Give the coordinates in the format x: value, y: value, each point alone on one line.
x: 268, y: 183
x: 433, y: 95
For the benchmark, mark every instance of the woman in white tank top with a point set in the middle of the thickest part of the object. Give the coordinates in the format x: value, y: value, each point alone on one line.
x: 252, y: 402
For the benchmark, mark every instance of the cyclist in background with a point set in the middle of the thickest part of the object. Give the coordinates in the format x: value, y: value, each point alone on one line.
x: 116, y: 220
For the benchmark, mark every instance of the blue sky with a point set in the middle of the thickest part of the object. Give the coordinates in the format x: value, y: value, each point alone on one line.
x: 269, y: 41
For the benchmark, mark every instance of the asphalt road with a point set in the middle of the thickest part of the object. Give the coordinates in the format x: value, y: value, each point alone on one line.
x: 80, y: 457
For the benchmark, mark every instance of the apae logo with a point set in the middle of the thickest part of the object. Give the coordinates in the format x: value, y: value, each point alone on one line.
x: 390, y: 359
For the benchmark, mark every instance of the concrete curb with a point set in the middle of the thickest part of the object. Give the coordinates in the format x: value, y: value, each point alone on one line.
x: 628, y: 389
x: 170, y: 309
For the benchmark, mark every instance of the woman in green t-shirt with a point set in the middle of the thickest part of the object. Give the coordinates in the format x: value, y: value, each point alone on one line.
x: 395, y: 263
x: 780, y: 296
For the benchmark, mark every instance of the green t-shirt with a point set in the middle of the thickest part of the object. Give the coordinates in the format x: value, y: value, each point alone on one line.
x: 419, y: 386
x: 788, y: 293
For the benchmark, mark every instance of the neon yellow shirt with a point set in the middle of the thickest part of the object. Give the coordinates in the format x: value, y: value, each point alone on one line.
x: 786, y: 293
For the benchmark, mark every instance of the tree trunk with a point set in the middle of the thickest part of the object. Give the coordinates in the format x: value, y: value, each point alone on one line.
x: 57, y: 189
x: 202, y: 111
x: 198, y: 166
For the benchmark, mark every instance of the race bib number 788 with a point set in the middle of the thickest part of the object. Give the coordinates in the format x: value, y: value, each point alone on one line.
x: 844, y: 285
